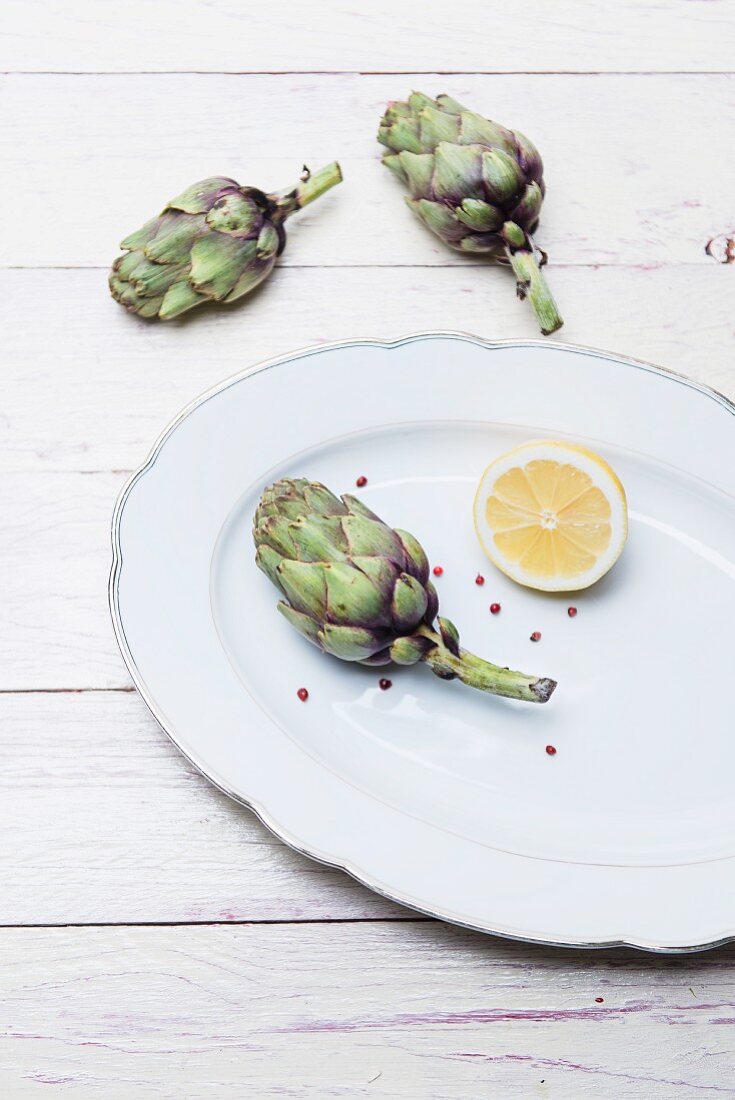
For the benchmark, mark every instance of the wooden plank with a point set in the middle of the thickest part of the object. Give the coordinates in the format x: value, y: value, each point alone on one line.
x: 421, y: 1011
x: 587, y: 35
x: 91, y: 387
x: 121, y: 146
x: 105, y: 821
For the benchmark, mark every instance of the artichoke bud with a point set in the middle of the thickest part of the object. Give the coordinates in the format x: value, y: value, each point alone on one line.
x: 467, y: 178
x: 215, y: 241
x: 373, y: 607
x: 410, y: 650
x: 449, y: 635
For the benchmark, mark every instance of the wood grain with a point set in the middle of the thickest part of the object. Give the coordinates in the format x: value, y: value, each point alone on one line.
x: 403, y: 35
x: 422, y: 1011
x: 620, y: 190
x: 105, y: 821
x: 91, y: 388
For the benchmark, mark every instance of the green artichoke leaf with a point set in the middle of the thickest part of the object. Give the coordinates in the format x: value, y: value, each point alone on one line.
x: 529, y: 156
x: 278, y: 532
x: 236, y: 215
x: 305, y: 587
x: 457, y: 172
x: 352, y: 598
x: 401, y: 134
x: 268, y: 559
x: 416, y: 102
x: 418, y: 169
x: 178, y: 299
x: 198, y: 198
x: 305, y: 626
x: 529, y: 207
x: 358, y: 507
x: 393, y: 161
x: 480, y: 215
x: 474, y: 129
x: 502, y: 175
x: 382, y: 572
x: 436, y: 126
x: 141, y: 236
x: 249, y: 279
x: 439, y: 219
x: 373, y: 538
x: 172, y: 243
x: 126, y: 263
x: 217, y: 262
x: 447, y: 103
x: 409, y: 603
x: 410, y: 649
x: 351, y: 643
x: 150, y: 307
x: 151, y: 280
x: 318, y: 498
x: 318, y: 538
x: 417, y: 563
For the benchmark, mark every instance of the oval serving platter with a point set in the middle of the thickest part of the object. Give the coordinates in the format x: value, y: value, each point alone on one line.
x: 431, y: 794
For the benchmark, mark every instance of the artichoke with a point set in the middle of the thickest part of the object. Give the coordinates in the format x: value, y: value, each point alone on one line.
x: 476, y: 184
x: 214, y: 242
x: 360, y: 590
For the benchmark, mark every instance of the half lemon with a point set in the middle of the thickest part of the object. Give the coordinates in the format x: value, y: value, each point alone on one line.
x: 551, y: 515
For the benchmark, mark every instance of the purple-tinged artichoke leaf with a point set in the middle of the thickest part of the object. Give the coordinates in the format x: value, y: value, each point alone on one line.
x: 529, y: 157
x: 268, y: 242
x: 417, y: 563
x: 172, y: 243
x: 305, y: 626
x: 382, y: 572
x: 351, y: 643
x: 439, y: 219
x: 502, y: 176
x: 528, y: 209
x: 411, y: 649
x: 305, y: 587
x: 432, y: 604
x: 198, y: 198
x: 409, y: 603
x: 449, y: 635
x: 251, y: 277
x: 382, y: 657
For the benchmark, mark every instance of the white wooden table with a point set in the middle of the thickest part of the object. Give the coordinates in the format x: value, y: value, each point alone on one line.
x: 156, y: 940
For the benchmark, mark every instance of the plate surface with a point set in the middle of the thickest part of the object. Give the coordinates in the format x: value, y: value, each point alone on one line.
x: 430, y: 793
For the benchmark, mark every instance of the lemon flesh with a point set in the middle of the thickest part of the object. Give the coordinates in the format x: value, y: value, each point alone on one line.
x: 551, y: 515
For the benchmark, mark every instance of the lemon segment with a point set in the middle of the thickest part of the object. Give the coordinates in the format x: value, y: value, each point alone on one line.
x: 551, y: 515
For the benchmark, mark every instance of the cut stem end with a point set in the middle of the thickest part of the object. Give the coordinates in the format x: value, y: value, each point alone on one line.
x: 531, y: 284
x: 484, y: 676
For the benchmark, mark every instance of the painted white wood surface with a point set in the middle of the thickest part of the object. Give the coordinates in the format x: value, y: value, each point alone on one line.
x: 416, y: 1010
x: 106, y: 111
x: 121, y: 146
x: 402, y: 35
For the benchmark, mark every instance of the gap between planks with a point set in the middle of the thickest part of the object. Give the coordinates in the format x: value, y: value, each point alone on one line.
x: 410, y: 918
x: 367, y: 72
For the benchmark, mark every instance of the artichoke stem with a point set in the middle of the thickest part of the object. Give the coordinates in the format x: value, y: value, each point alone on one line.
x: 311, y: 186
x: 531, y: 284
x: 480, y: 674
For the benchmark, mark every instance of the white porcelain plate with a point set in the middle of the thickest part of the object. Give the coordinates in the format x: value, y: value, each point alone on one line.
x: 430, y: 793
